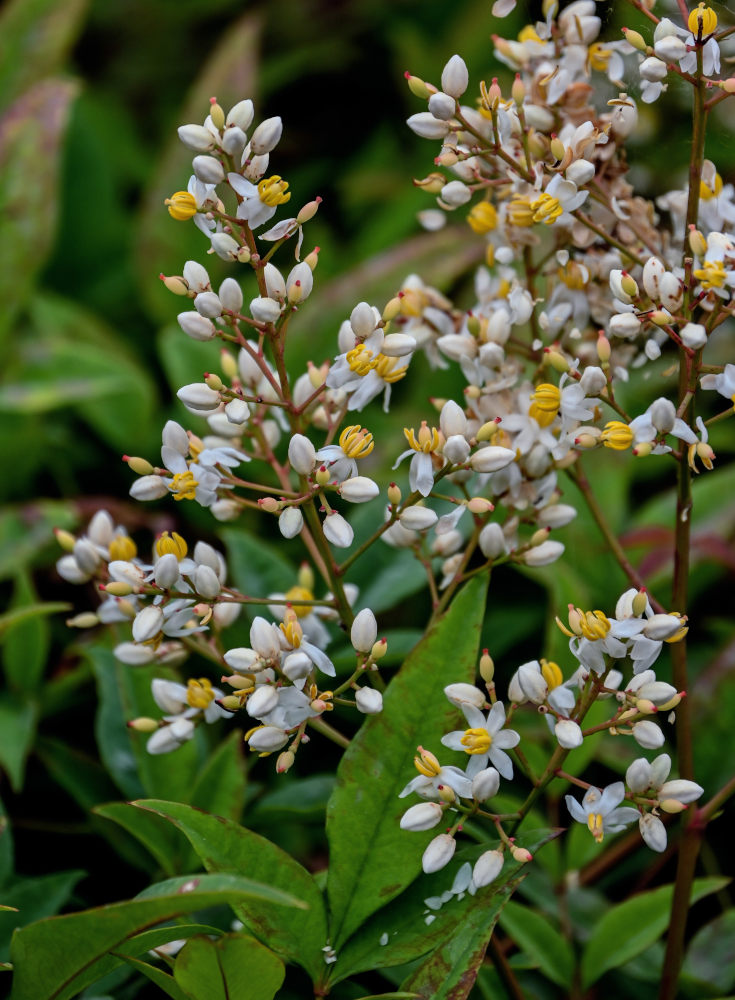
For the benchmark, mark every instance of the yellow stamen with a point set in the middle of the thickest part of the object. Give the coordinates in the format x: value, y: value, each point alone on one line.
x: 529, y: 34
x: 356, y: 442
x: 707, y: 193
x: 291, y: 629
x: 574, y: 275
x: 427, y: 440
x: 594, y: 625
x: 519, y: 212
x: 476, y: 741
x: 389, y: 369
x: 184, y: 485
x: 272, y: 191
x: 702, y: 19
x: 617, y: 435
x: 171, y: 543
x: 426, y: 763
x: 546, y: 209
x: 122, y: 547
x: 598, y: 57
x: 181, y: 206
x: 199, y: 693
x: 545, y: 403
x: 594, y: 824
x: 299, y: 593
x: 551, y: 673
x: 711, y: 275
x: 483, y: 217
x: 361, y: 360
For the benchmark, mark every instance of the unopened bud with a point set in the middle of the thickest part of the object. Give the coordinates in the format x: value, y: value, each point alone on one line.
x: 229, y: 364
x: 214, y: 382
x: 639, y: 603
x: 417, y: 87
x: 322, y: 476
x: 175, y: 284
x: 65, y: 539
x: 143, y: 725
x: 380, y: 648
x: 635, y: 38
x: 216, y: 114
x: 87, y: 619
x: 558, y: 149
x: 603, y: 348
x: 539, y: 537
x: 520, y: 854
x: 645, y: 706
x: 285, y: 761
x: 659, y: 317
x: 392, y: 309
x: 697, y: 242
x: 479, y: 505
x: 308, y: 212
x: 487, y: 667
x: 140, y: 466
x: 629, y: 285
x: 518, y: 90
x: 118, y: 589
x: 643, y: 449
x: 394, y: 494
x: 672, y: 806
x: 474, y: 326
x: 557, y: 361
x: 311, y: 259
x: 446, y: 793
x: 230, y: 702
x: 270, y: 505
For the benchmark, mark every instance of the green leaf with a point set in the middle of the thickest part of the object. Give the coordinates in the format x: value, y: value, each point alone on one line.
x: 233, y: 966
x: 26, y: 531
x: 151, y: 831
x: 391, y: 581
x: 34, y: 898
x: 220, y: 785
x: 230, y: 72
x: 296, y: 800
x: 541, y: 940
x: 26, y: 646
x: 224, y: 846
x: 71, y: 943
x: 6, y: 846
x: 37, y: 36
x: 17, y: 617
x: 630, y: 927
x: 31, y: 134
x: 710, y: 959
x: 162, y: 979
x: 398, y: 933
x: 371, y: 859
x: 17, y: 730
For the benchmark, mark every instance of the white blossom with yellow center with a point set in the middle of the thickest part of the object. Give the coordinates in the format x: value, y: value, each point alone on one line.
x: 341, y: 459
x: 600, y: 811
x: 425, y: 447
x: 485, y: 740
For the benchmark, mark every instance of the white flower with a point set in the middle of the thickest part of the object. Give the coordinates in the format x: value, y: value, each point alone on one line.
x: 368, y: 701
x: 364, y: 631
x: 422, y: 816
x: 599, y: 810
x: 439, y: 853
x: 487, y: 868
x: 485, y: 741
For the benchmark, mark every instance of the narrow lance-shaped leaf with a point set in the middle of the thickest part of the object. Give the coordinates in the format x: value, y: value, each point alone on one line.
x: 371, y: 859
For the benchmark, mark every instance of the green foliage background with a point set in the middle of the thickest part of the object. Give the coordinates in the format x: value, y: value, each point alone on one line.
x: 91, y: 92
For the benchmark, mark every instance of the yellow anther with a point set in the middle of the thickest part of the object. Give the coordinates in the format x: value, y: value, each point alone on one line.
x: 184, y: 485
x: 122, y: 547
x: 712, y: 274
x: 545, y: 403
x: 702, y: 21
x: 272, y: 191
x: 594, y: 824
x: 707, y: 193
x: 413, y: 302
x: 678, y: 636
x: 519, y: 212
x: 306, y: 576
x: 427, y: 440
x: 476, y: 741
x: 594, y: 625
x: 546, y: 208
x: 199, y: 693
x: 291, y: 628
x: 701, y: 450
x: 361, y: 360
x: 300, y: 594
x: 529, y: 34
x: 389, y: 369
x: 598, y: 57
x: 483, y: 217
x: 617, y: 435
x: 574, y: 275
x: 551, y: 673
x: 172, y: 542
x: 356, y: 442
x: 181, y: 206
x: 426, y: 763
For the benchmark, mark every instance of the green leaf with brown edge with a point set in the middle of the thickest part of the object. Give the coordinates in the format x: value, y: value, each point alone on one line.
x: 31, y: 136
x: 224, y: 846
x: 162, y: 243
x: 37, y: 37
x: 371, y: 859
x: 398, y: 933
x: 628, y: 928
x: 71, y: 943
x: 234, y: 966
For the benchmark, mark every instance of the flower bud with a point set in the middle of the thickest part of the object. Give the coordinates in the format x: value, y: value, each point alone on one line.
x: 208, y: 169
x: 543, y: 554
x: 520, y: 854
x: 266, y: 136
x: 487, y: 868
x: 671, y: 806
x: 491, y: 459
x: 693, y: 336
x: 241, y: 115
x: 425, y: 125
x: 368, y: 701
x: 670, y: 49
x: 338, y: 531
x: 196, y: 137
x: 639, y: 776
x: 262, y: 701
x: 648, y: 735
x: 364, y: 631
x: 439, y: 853
x: 568, y: 734
x: 418, y: 518
x: 442, y: 106
x: 464, y: 694
x: 198, y: 396
x: 398, y: 345
x: 196, y: 326
x: 285, y: 761
x: 653, y: 69
x: 681, y: 790
x: 423, y: 816
x: 265, y: 310
x: 291, y: 522
x: 492, y: 541
x: 143, y: 725
x: 301, y: 454
x: 267, y: 739
x: 87, y: 619
x: 147, y: 624
x: 455, y: 77
x: 485, y: 784
x: 653, y: 832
